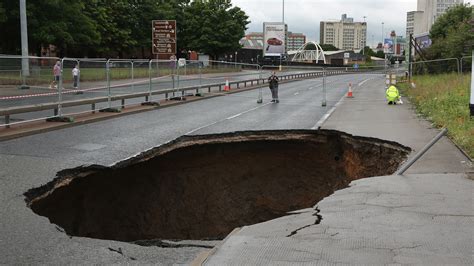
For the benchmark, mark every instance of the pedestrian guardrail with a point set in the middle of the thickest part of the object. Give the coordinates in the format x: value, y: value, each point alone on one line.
x: 150, y: 68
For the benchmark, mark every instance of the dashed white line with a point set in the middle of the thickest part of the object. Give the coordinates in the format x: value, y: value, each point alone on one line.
x: 362, y: 83
x: 227, y: 118
x: 329, y: 113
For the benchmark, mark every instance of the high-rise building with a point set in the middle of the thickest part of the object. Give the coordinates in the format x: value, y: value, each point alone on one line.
x: 344, y: 34
x: 420, y: 21
x: 295, y: 41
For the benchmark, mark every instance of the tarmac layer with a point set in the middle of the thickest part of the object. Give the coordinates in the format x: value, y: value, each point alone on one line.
x: 226, y: 181
x: 424, y: 217
x: 32, y: 161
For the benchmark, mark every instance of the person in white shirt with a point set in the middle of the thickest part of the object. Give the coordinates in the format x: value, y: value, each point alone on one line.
x: 75, y: 75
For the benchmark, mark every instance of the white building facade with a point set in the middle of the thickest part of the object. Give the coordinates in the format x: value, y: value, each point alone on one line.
x: 419, y: 22
x: 344, y: 34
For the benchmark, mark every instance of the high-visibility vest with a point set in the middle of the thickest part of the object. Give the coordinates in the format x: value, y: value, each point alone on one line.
x: 392, y: 93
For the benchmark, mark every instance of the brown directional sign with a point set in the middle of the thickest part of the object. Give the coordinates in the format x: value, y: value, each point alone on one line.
x: 164, y: 37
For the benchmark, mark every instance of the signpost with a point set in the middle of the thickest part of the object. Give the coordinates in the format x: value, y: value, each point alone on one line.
x: 164, y: 37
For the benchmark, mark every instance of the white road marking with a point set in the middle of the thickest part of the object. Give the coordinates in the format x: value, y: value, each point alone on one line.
x: 362, y: 83
x: 329, y: 113
x: 296, y: 93
x: 227, y: 118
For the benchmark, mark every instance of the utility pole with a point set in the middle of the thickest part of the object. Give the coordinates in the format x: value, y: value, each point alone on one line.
x: 471, y: 102
x: 410, y: 57
x: 24, y: 41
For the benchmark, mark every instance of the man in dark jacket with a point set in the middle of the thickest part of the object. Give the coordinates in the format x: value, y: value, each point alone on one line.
x: 273, y: 84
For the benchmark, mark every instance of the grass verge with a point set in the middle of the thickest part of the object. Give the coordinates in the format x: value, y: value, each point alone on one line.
x: 444, y: 100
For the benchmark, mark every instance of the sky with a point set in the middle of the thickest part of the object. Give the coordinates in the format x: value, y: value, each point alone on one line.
x: 304, y: 15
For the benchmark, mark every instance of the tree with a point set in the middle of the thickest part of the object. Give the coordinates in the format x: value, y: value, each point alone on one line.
x: 62, y: 23
x: 328, y: 47
x: 452, y: 34
x: 213, y: 27
x: 109, y: 28
x: 3, y: 14
x: 367, y: 51
x: 380, y: 54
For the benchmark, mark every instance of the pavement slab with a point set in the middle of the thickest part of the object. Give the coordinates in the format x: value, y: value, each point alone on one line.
x: 424, y: 217
x: 417, y: 219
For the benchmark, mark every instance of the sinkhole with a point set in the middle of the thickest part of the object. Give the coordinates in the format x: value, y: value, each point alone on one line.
x: 202, y: 187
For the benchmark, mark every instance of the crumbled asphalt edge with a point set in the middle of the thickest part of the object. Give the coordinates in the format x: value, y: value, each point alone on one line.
x: 166, y: 244
x: 61, y: 176
x: 180, y: 142
x: 319, y: 218
x: 119, y: 251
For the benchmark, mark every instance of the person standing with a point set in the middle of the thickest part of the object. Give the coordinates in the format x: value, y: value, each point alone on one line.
x: 273, y: 84
x: 56, y: 74
x: 75, y: 75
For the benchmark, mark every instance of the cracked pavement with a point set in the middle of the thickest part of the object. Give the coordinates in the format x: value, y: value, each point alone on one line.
x: 424, y: 217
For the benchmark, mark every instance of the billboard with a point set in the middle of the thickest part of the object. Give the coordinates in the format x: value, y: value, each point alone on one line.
x: 388, y: 46
x: 423, y: 41
x: 274, y: 38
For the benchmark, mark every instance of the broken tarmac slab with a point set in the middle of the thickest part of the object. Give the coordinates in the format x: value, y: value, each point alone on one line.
x: 417, y: 219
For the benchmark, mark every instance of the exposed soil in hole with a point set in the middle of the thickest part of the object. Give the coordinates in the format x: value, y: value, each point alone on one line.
x: 201, y: 187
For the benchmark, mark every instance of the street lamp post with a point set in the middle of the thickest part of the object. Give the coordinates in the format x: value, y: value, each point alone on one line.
x: 236, y: 59
x: 283, y: 12
x: 382, y: 35
x: 24, y: 41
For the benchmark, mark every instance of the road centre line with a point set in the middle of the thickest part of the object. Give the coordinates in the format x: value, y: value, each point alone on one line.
x: 329, y: 113
x: 227, y: 118
x: 244, y: 112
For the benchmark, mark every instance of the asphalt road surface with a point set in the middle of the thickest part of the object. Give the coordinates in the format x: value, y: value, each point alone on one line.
x: 120, y: 87
x: 32, y: 161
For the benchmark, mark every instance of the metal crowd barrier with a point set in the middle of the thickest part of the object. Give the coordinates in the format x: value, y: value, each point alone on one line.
x: 147, y: 95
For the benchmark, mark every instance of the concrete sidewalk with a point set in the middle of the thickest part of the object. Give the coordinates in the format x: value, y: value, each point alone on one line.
x: 424, y: 217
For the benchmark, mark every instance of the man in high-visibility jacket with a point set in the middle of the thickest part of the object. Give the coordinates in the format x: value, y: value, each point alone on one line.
x: 392, y: 95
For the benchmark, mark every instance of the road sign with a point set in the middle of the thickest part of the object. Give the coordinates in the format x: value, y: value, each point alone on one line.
x: 164, y: 36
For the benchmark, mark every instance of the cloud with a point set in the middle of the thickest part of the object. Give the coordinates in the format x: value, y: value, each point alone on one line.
x: 304, y: 15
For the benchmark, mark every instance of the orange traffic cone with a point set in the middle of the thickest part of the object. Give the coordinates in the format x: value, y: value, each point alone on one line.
x: 226, y: 87
x: 349, y: 93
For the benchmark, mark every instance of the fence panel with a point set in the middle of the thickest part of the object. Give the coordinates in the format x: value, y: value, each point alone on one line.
x: 438, y: 66
x: 466, y: 64
x: 30, y: 87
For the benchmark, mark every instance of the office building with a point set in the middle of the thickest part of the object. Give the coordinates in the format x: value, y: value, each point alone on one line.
x: 295, y: 41
x: 344, y: 34
x: 419, y: 22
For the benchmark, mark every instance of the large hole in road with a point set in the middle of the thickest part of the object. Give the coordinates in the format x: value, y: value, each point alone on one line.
x: 202, y: 187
